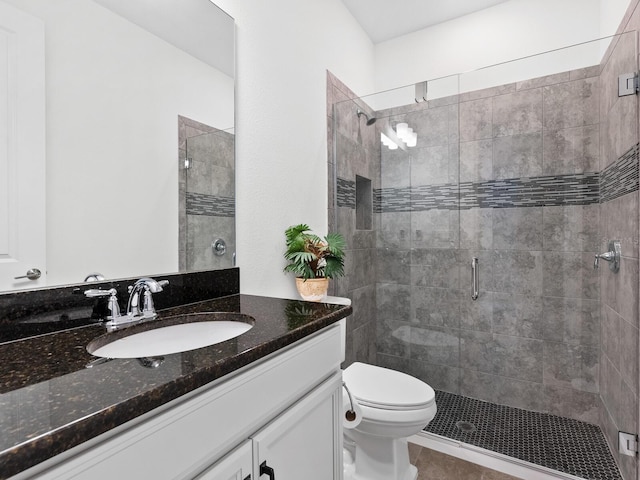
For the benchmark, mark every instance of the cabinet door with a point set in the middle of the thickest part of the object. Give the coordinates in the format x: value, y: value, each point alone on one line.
x: 235, y: 466
x: 304, y: 442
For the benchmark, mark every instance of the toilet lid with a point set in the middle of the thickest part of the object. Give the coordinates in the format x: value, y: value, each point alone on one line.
x: 379, y: 387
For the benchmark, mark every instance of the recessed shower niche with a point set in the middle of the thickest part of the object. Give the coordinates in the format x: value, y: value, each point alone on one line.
x: 364, y: 204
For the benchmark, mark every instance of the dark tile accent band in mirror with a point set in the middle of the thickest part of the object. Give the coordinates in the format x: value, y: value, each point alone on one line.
x: 210, y: 205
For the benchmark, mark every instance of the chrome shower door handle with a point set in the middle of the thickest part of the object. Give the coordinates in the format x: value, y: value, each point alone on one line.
x: 475, y: 283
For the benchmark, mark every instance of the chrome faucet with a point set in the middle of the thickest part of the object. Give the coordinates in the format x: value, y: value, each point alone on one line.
x: 141, y: 292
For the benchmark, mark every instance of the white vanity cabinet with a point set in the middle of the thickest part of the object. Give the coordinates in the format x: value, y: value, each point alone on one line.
x: 281, y: 412
x: 299, y: 444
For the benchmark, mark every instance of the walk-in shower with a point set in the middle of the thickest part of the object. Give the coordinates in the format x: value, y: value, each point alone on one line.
x: 530, y: 167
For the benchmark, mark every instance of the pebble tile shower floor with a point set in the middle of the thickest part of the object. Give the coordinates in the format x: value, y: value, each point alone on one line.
x: 559, y: 443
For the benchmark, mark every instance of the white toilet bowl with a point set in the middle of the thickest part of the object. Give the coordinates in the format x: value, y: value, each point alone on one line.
x: 394, y: 406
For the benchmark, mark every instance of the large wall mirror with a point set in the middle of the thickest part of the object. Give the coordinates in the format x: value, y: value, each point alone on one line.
x: 139, y: 150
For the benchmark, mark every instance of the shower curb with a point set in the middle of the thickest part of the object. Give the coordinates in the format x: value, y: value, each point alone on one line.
x: 488, y: 459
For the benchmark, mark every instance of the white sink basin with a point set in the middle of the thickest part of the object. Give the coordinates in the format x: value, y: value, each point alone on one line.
x: 171, y: 335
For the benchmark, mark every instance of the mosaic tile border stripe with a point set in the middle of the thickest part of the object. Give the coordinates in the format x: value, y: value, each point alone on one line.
x: 576, y: 189
x: 618, y: 179
x: 559, y: 443
x: 210, y: 205
x: 621, y: 177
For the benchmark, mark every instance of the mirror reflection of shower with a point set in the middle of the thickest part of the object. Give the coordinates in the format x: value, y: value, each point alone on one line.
x: 207, y: 197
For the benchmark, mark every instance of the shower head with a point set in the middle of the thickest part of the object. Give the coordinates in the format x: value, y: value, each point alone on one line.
x: 370, y: 120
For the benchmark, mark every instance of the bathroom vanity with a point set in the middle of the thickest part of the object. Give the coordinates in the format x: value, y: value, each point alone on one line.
x: 262, y: 405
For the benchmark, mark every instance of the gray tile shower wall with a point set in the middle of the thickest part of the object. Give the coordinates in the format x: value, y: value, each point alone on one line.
x: 354, y: 148
x: 532, y: 340
x: 618, y: 354
x: 527, y: 205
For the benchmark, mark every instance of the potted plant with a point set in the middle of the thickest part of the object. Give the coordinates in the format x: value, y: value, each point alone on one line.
x: 313, y: 260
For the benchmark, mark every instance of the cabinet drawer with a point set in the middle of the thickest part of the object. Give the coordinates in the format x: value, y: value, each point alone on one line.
x: 181, y: 441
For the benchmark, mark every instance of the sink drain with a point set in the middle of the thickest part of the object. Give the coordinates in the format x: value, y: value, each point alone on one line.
x: 465, y: 427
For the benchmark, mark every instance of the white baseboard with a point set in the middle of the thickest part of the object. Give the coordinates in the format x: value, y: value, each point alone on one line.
x: 488, y: 459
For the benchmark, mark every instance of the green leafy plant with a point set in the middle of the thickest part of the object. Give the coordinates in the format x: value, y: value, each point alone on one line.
x: 311, y: 256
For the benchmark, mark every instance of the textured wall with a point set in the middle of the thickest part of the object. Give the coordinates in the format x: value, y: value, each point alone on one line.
x: 284, y: 48
x: 526, y: 204
x: 355, y: 149
x: 619, y: 221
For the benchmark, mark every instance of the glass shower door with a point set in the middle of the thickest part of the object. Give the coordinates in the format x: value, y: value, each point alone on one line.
x: 531, y: 167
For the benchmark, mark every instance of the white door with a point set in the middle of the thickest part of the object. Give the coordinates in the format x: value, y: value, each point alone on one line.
x: 235, y: 466
x: 305, y: 442
x: 22, y: 149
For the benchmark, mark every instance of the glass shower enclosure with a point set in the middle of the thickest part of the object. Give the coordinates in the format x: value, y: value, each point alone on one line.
x: 529, y: 167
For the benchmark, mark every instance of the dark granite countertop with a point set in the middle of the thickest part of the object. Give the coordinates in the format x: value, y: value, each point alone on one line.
x: 50, y: 402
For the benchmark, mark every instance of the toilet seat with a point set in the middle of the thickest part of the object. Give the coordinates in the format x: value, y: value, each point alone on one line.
x: 384, y: 389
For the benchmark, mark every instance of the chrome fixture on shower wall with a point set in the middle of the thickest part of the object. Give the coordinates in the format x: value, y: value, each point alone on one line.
x: 475, y: 283
x: 612, y: 256
x: 627, y: 84
x: 219, y: 247
x: 370, y: 120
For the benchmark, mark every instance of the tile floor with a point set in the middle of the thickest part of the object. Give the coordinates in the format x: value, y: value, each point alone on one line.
x: 434, y: 465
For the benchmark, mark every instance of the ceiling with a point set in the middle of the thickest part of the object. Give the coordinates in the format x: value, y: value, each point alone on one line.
x: 386, y: 19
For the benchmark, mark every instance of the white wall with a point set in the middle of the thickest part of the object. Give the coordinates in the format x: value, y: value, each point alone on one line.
x: 505, y: 32
x: 611, y: 13
x: 284, y: 49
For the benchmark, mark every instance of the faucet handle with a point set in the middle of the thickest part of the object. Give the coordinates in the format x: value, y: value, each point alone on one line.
x: 147, y: 302
x: 612, y: 256
x: 96, y: 292
x: 112, y: 293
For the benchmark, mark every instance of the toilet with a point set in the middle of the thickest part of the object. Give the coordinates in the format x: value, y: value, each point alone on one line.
x: 393, y: 406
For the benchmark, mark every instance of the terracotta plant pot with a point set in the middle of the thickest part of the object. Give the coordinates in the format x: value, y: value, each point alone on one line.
x: 313, y: 289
